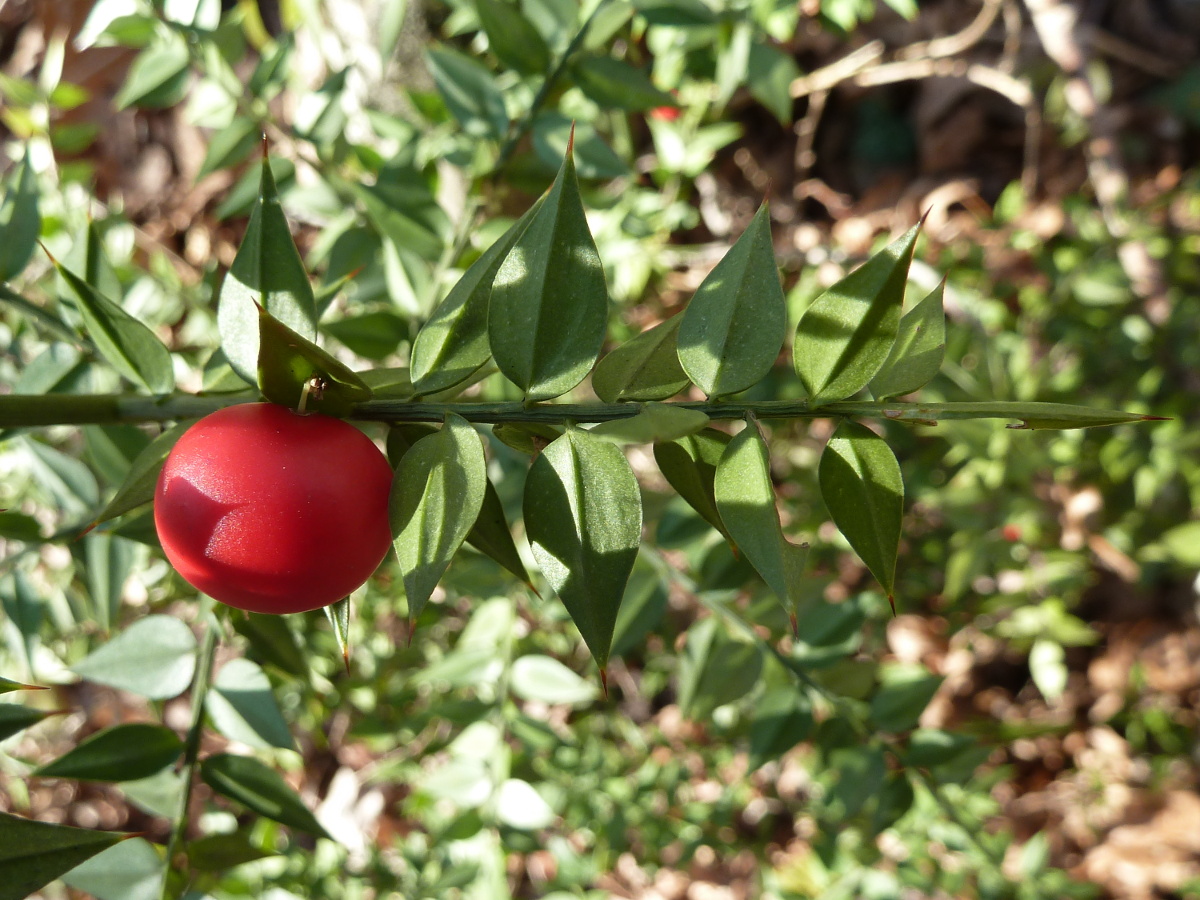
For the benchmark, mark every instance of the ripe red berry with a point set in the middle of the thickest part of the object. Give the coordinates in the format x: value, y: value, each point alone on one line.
x: 1012, y: 533
x: 271, y: 511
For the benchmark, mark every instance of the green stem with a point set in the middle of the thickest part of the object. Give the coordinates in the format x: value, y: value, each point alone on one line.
x: 191, y: 750
x: 37, y: 411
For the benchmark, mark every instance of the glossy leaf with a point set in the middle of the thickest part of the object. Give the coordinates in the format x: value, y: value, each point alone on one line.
x: 920, y: 346
x: 864, y: 492
x: 690, y: 466
x: 453, y: 344
x: 846, y: 335
x: 20, y: 221
x: 155, y: 657
x: 657, y: 422
x: 492, y: 536
x: 645, y: 367
x: 260, y: 789
x: 273, y: 641
x: 583, y: 516
x: 289, y: 365
x: 470, y: 92
x: 512, y: 37
x: 242, y: 707
x: 138, y: 487
x: 32, y: 854
x: 734, y: 325
x: 436, y: 497
x: 745, y: 498
x: 549, y: 304
x: 120, y: 753
x: 266, y: 272
x: 125, y: 343
x: 15, y: 718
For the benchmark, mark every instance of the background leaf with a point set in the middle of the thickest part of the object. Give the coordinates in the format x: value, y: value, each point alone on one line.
x: 242, y: 707
x: 258, y: 788
x: 20, y: 220
x: 155, y: 657
x: 120, y: 753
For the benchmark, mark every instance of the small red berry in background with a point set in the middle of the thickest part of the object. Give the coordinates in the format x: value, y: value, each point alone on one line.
x: 1012, y: 533
x: 665, y: 113
x: 272, y: 511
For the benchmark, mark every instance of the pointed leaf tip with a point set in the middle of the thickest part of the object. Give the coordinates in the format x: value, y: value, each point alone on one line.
x: 604, y: 681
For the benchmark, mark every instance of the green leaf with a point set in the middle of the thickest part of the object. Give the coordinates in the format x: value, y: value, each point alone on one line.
x: 690, y: 466
x: 583, y: 516
x: 745, y: 498
x: 375, y: 335
x: 15, y: 718
x: 242, y: 707
x: 125, y: 343
x: 155, y: 657
x: 932, y: 747
x: 863, y: 489
x: 453, y: 344
x: 260, y: 789
x: 642, y: 607
x: 615, y: 84
x: 437, y: 495
x: 549, y: 304
x: 513, y: 38
x: 769, y: 78
x: 158, y: 76
x: 643, y: 368
x: 273, y: 641
x: 120, y: 753
x: 20, y: 221
x: 491, y: 535
x: 519, y: 805
x: 470, y: 92
x: 266, y: 272
x: 782, y: 719
x: 527, y: 437
x: 715, y: 669
x: 132, y: 870
x: 543, y: 678
x: 109, y: 562
x: 554, y: 133
x: 25, y: 610
x: 905, y: 693
x: 656, y: 422
x: 230, y: 145
x: 221, y: 851
x: 7, y: 685
x: 735, y: 324
x: 32, y: 854
x: 916, y: 357
x: 845, y: 336
x: 44, y: 320
x: 289, y: 365
x: 15, y: 526
x: 338, y: 615
x: 138, y: 486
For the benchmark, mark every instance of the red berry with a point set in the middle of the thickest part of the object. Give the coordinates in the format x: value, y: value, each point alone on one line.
x: 1012, y: 533
x: 666, y: 113
x: 271, y: 511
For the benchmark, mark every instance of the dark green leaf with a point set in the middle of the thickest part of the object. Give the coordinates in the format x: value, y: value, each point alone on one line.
x: 864, y: 492
x: 735, y: 324
x: 549, y: 304
x: 769, y: 78
x: 845, y: 337
x: 125, y: 343
x: 230, y: 145
x: 273, y: 641
x: 554, y: 132
x: 932, y: 747
x: 155, y: 657
x: 45, y: 320
x: 32, y: 854
x: 526, y: 437
x: 643, y: 368
x: 266, y: 272
x: 642, y: 607
x: 120, y: 753
x: 436, y: 498
x: 677, y: 13
x: 513, y: 38
x: 453, y: 344
x: 158, y: 76
x: 111, y: 449
x: 491, y: 535
x: 20, y: 221
x: 218, y: 852
x: 259, y: 788
x: 916, y: 356
x: 745, y: 498
x: 243, y: 707
x: 860, y: 772
x: 690, y: 466
x: 715, y: 669
x: 657, y: 422
x: 905, y: 693
x: 782, y: 719
x: 894, y: 800
x: 68, y: 481
x: 615, y: 84
x: 404, y: 211
x: 140, y: 480
x: 15, y: 526
x: 583, y: 516
x: 289, y: 365
x: 375, y: 335
x: 25, y: 609
x: 132, y: 870
x: 15, y: 718
x: 470, y: 92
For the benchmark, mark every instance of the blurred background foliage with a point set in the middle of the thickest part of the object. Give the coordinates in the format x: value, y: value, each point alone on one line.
x: 1026, y: 727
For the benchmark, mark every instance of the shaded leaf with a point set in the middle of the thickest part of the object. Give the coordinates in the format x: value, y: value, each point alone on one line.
x: 549, y: 304
x: 15, y: 526
x: 260, y: 789
x: 657, y: 422
x: 266, y: 272
x: 527, y: 437
x: 32, y: 854
x: 916, y: 357
x: 242, y: 707
x: 715, y: 669
x: 15, y: 718
x: 138, y: 486
x: 273, y: 641
x: 470, y: 92
x: 436, y: 498
x: 158, y: 76
x: 782, y: 719
x: 131, y: 870
x: 155, y: 657
x: 109, y: 560
x: 20, y: 220
x: 645, y: 367
x: 615, y: 84
x: 25, y: 610
x: 734, y: 325
x: 120, y: 753
x: 289, y: 365
x: 375, y: 335
x: 513, y: 38
x: 903, y: 696
x: 690, y: 466
x: 583, y: 516
x: 863, y: 489
x: 218, y: 852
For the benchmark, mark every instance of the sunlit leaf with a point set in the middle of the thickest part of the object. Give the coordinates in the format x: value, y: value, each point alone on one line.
x: 916, y: 356
x: 155, y: 657
x: 243, y: 707
x: 657, y: 422
x: 690, y: 465
x: 512, y: 37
